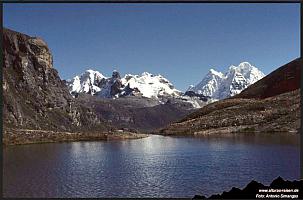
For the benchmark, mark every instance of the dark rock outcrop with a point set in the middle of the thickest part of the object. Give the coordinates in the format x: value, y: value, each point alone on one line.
x: 116, y: 75
x: 254, y: 187
x: 116, y: 84
x: 128, y: 91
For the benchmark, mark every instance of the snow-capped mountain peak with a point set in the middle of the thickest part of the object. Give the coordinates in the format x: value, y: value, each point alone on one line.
x: 150, y: 85
x: 146, y: 85
x: 245, y: 65
x: 219, y: 86
x: 209, y: 84
x: 250, y: 72
x: 86, y: 82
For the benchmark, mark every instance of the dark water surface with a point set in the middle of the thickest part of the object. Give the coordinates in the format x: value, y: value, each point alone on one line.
x: 156, y: 166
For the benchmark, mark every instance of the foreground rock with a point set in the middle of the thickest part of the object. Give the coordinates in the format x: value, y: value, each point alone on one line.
x: 253, y: 188
x: 272, y: 104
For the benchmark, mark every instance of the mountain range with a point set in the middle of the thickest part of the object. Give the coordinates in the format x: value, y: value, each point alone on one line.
x: 215, y: 85
x: 36, y: 99
x: 145, y: 85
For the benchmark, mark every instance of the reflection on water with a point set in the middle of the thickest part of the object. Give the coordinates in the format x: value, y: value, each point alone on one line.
x: 156, y: 166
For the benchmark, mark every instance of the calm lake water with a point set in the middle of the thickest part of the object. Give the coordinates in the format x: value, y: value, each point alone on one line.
x: 156, y: 166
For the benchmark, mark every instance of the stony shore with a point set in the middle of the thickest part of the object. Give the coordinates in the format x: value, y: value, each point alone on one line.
x: 27, y: 136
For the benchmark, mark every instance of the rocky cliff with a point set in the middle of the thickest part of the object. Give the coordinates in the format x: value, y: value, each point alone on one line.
x: 34, y: 96
x: 271, y: 104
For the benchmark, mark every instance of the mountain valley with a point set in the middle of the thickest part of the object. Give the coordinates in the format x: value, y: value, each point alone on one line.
x: 37, y: 100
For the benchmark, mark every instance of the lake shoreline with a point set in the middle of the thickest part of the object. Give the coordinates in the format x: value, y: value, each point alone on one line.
x: 29, y: 136
x: 224, y: 131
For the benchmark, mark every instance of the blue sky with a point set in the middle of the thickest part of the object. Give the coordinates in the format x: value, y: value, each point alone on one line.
x: 180, y: 41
